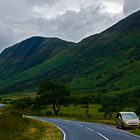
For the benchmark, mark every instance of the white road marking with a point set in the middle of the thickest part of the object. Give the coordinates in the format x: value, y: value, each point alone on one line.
x: 92, y: 131
x: 97, y: 133
x: 64, y: 134
x: 102, y: 136
x: 78, y: 124
x: 89, y: 129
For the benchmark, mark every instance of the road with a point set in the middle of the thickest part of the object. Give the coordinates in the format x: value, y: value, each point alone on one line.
x: 74, y: 130
x: 2, y: 105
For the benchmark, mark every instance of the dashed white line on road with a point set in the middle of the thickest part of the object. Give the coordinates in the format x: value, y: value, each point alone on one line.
x: 97, y: 133
x: 89, y: 129
x: 78, y: 124
x: 102, y: 136
x: 92, y: 131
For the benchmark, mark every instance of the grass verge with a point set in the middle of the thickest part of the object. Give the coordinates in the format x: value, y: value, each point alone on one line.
x: 135, y: 131
x: 18, y: 128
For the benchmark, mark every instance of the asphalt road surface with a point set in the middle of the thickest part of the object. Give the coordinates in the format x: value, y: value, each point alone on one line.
x: 74, y: 130
x: 2, y: 105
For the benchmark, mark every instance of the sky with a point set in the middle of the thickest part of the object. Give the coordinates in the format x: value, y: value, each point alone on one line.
x: 70, y: 20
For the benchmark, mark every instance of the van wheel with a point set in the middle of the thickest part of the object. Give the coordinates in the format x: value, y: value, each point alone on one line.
x: 121, y: 126
x: 118, y: 126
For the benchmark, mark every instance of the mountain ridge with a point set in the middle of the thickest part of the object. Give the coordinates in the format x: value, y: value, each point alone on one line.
x: 30, y: 52
x: 106, y: 62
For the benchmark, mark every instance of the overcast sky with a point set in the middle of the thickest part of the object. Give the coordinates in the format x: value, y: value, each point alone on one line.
x: 67, y: 19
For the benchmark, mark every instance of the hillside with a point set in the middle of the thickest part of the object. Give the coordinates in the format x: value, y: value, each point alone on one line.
x: 108, y: 62
x: 29, y: 53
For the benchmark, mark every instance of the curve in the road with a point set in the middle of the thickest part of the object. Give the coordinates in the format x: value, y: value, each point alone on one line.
x: 74, y: 130
x: 64, y: 134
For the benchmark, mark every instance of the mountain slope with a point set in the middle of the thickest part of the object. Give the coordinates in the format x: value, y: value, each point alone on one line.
x: 29, y: 53
x: 107, y: 62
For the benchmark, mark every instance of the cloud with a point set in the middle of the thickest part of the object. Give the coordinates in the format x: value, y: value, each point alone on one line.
x: 74, y: 25
x: 131, y: 6
x: 70, y: 20
x: 7, y: 35
x: 112, y: 6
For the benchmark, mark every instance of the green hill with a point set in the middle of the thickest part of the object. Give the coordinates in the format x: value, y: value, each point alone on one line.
x: 108, y: 62
x: 29, y: 53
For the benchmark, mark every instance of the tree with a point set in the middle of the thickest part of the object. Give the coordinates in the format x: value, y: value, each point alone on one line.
x: 54, y: 94
x: 110, y: 106
x: 138, y: 109
x: 86, y: 101
x: 22, y: 104
x: 0, y: 99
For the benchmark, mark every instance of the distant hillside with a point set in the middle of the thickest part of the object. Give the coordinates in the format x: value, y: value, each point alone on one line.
x: 108, y: 62
x: 29, y: 53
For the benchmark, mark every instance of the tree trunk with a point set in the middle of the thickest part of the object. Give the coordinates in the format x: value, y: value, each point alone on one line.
x: 87, y: 110
x: 110, y: 115
x: 56, y: 108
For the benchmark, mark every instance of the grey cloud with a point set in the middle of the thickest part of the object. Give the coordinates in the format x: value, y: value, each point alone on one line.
x: 42, y: 2
x: 13, y: 16
x: 18, y: 20
x: 6, y: 36
x: 74, y: 26
x: 131, y: 6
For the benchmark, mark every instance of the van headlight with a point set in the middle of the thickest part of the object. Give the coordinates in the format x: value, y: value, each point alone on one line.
x: 126, y: 122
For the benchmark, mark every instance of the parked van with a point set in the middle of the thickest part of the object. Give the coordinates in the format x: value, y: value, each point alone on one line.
x: 127, y: 119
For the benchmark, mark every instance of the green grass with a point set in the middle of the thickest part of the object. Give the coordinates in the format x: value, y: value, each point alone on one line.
x: 135, y: 131
x: 52, y: 133
x: 79, y: 113
x: 18, y: 128
x: 18, y: 95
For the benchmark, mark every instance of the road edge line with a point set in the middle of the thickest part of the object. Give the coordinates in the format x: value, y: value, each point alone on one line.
x: 64, y: 134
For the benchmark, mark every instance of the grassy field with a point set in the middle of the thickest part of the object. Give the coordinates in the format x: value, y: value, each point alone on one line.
x: 18, y: 95
x: 79, y: 113
x: 18, y: 128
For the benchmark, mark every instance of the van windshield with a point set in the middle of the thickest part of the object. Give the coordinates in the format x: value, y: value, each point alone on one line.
x: 129, y: 116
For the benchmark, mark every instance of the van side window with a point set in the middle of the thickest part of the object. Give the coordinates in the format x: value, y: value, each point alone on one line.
x: 120, y: 116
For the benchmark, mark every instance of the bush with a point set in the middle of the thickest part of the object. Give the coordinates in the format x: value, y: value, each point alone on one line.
x: 48, y: 112
x: 16, y: 113
x: 23, y: 103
